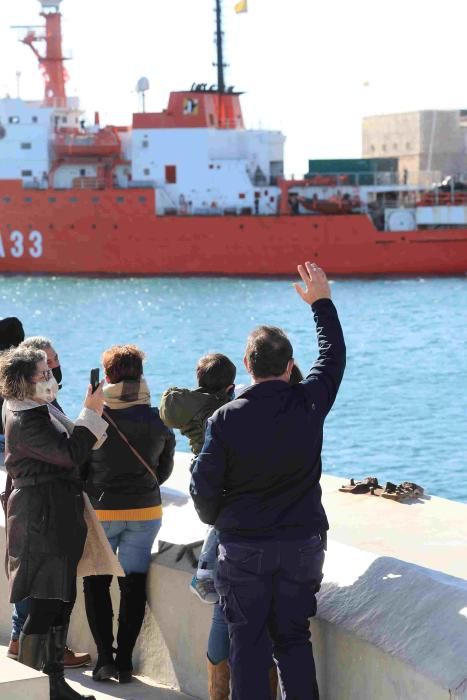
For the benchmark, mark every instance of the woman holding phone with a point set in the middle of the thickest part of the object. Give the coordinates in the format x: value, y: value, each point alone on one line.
x: 122, y: 481
x: 46, y: 530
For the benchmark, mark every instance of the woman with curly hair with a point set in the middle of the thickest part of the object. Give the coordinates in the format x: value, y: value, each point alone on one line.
x: 46, y: 530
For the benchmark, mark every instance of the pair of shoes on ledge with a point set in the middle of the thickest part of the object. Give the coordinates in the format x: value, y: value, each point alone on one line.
x: 401, y: 492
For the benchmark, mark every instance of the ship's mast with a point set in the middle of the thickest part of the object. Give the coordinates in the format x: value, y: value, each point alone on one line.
x: 219, y: 35
x: 52, y: 64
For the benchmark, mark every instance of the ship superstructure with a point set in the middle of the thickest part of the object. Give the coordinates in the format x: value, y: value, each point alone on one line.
x: 191, y: 190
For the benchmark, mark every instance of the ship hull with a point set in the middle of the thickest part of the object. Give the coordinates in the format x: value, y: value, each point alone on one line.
x: 117, y: 232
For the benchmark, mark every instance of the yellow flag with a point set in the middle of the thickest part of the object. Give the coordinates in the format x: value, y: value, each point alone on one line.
x: 241, y: 6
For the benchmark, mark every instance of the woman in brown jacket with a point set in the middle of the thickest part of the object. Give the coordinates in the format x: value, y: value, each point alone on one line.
x: 46, y: 530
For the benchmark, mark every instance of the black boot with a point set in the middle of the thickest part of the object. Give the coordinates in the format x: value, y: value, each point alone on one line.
x: 100, y: 618
x: 32, y: 650
x: 130, y: 620
x: 53, y: 667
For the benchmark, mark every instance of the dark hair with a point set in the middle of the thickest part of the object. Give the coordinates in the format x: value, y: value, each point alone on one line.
x: 268, y: 351
x: 17, y: 368
x: 122, y: 362
x: 215, y: 372
x: 11, y: 332
x: 295, y: 376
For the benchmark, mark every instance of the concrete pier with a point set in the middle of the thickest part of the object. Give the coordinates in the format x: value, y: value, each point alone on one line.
x: 392, y: 612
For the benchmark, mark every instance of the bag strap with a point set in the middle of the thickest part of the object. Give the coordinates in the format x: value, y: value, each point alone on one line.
x: 127, y: 442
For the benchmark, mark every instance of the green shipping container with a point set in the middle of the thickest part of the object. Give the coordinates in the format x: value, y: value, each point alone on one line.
x: 347, y: 166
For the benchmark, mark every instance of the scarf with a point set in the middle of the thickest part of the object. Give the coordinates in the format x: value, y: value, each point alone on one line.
x: 129, y: 392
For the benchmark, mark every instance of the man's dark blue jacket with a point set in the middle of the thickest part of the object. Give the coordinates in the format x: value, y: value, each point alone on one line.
x: 259, y: 470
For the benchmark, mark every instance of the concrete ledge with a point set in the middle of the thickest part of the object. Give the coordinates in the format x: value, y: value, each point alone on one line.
x: 392, y: 610
x: 18, y: 682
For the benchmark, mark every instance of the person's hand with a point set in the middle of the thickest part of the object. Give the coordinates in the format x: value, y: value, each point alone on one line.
x: 316, y: 283
x: 95, y: 401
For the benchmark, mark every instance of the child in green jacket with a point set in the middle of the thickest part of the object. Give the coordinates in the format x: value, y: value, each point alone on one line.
x: 188, y: 410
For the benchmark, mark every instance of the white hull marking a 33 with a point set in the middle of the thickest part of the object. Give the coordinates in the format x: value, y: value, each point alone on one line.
x: 20, y: 244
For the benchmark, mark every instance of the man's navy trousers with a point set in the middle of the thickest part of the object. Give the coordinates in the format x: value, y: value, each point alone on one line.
x: 267, y: 589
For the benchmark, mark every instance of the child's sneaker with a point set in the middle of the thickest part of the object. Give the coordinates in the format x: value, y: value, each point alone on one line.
x: 204, y: 589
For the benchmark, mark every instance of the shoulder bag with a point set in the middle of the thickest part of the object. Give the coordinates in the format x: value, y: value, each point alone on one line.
x: 128, y: 443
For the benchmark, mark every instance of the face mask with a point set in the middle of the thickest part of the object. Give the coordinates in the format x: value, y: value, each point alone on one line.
x: 46, y: 390
x: 57, y: 372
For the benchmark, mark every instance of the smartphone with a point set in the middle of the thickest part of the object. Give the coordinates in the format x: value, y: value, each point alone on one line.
x: 94, y: 379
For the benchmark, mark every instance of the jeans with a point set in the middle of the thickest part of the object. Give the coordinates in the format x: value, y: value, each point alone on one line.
x: 267, y: 590
x: 132, y: 541
x: 208, y: 556
x: 218, y: 642
x: 18, y: 618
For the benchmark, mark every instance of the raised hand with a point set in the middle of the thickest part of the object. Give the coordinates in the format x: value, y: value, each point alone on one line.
x: 316, y: 283
x: 95, y: 401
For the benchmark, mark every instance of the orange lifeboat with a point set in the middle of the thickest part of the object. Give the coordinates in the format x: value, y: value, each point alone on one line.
x: 104, y: 143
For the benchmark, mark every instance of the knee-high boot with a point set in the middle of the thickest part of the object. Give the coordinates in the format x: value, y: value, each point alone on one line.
x: 31, y: 650
x: 130, y: 620
x: 100, y: 618
x: 218, y: 680
x: 44, y: 652
x: 53, y: 667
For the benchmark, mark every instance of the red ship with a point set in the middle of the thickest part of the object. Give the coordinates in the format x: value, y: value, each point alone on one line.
x: 190, y: 190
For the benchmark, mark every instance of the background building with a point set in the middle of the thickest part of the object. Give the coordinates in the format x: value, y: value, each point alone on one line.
x: 429, y: 144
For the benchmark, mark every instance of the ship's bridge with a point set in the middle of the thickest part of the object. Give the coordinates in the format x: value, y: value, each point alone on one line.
x: 195, y: 108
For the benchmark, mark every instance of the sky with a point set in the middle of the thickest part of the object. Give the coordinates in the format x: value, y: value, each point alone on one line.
x: 309, y: 68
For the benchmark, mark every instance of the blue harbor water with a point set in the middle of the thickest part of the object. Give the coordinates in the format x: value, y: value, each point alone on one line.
x: 401, y: 412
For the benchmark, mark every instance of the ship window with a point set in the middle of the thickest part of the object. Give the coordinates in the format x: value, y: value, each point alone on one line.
x: 145, y: 144
x: 25, y: 146
x: 34, y: 120
x: 372, y: 148
x: 6, y: 200
x: 64, y: 120
x: 171, y: 174
x: 28, y: 199
x: 120, y: 199
x: 13, y: 120
x: 26, y: 173
x: 146, y: 171
x: 95, y: 200
x: 72, y: 199
x: 52, y: 199
x: 142, y: 199
x: 241, y: 195
x: 210, y: 166
x: 82, y: 172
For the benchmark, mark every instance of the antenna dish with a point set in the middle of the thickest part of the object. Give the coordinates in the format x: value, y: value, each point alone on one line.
x: 142, y: 85
x: 49, y: 4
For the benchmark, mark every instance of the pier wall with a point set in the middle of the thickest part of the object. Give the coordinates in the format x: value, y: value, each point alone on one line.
x: 392, y: 611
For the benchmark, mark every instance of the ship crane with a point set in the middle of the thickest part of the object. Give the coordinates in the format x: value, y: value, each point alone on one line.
x: 52, y: 63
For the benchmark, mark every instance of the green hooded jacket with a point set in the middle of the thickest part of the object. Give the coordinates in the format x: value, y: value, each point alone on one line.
x: 188, y: 410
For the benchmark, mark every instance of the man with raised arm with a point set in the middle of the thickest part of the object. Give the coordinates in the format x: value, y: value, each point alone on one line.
x: 257, y: 479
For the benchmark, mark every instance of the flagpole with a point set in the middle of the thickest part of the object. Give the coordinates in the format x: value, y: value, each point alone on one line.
x: 219, y: 45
